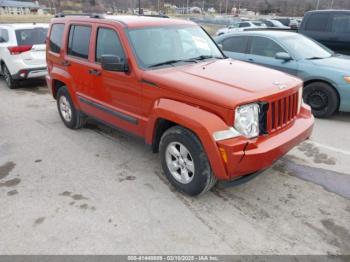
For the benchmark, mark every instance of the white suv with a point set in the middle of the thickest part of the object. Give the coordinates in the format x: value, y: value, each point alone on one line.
x: 22, y: 52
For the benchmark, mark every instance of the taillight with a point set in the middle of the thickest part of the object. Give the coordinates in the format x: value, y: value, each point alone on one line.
x: 16, y: 50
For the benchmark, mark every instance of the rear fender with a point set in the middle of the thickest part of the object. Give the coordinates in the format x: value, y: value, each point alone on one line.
x: 57, y: 74
x: 200, y: 122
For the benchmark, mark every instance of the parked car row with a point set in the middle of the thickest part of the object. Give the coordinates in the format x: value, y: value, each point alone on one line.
x: 211, y: 118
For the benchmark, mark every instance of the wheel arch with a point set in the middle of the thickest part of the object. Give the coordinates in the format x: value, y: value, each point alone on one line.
x: 311, y: 81
x: 167, y: 113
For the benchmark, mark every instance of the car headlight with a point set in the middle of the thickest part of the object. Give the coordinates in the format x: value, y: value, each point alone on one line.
x: 247, y: 120
x: 300, y: 99
x: 347, y: 79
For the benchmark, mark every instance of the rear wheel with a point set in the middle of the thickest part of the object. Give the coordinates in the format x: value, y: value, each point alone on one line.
x: 10, y: 82
x: 185, y: 162
x: 71, y: 117
x: 322, y: 98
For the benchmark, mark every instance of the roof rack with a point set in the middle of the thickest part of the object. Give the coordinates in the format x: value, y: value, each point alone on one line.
x: 91, y: 15
x: 159, y: 16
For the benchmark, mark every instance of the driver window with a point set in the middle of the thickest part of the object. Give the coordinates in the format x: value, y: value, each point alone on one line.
x: 263, y: 46
x: 108, y: 43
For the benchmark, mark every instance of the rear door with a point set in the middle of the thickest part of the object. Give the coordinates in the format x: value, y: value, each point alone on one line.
x: 78, y: 60
x: 33, y: 41
x: 263, y: 51
x: 340, y: 28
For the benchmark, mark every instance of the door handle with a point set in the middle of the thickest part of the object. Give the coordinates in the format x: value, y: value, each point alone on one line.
x: 94, y: 72
x: 65, y: 63
x: 251, y: 60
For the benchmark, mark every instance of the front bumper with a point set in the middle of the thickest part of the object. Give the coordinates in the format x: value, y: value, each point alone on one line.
x: 245, y: 157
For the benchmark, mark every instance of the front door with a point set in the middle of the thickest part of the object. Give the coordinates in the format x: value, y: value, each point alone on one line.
x: 117, y: 94
x: 263, y: 51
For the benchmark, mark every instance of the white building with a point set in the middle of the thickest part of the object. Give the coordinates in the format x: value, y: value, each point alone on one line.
x: 10, y: 7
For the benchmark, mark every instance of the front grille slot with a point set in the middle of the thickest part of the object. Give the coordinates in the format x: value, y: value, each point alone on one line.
x: 282, y: 112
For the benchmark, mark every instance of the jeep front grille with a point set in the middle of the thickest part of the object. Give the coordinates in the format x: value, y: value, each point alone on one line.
x: 281, y: 112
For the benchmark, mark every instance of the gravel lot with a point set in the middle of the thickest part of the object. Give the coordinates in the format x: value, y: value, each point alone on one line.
x: 98, y: 191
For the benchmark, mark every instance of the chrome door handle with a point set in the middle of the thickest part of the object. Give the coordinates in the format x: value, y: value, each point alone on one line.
x: 94, y: 72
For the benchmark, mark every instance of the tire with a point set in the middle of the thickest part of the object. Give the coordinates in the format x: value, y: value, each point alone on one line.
x: 202, y: 178
x: 10, y: 82
x: 71, y: 117
x: 322, y: 98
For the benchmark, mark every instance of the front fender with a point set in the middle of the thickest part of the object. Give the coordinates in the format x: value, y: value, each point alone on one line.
x: 200, y: 122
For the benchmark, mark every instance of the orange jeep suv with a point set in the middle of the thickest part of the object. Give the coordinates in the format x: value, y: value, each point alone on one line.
x: 211, y: 118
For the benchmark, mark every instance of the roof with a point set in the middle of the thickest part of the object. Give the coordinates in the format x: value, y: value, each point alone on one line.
x: 24, y: 25
x: 329, y: 11
x: 135, y: 21
x: 265, y: 33
x: 11, y: 3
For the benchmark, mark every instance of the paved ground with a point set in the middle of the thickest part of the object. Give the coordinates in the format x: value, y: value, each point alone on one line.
x: 99, y: 191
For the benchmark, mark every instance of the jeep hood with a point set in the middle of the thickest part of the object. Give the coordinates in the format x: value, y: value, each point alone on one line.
x: 223, y: 82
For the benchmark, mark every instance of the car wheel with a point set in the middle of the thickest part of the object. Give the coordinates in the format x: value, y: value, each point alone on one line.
x: 322, y: 98
x: 71, y: 117
x: 10, y: 82
x: 185, y: 162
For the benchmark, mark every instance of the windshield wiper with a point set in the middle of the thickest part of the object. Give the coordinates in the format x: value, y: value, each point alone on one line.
x: 315, y: 58
x: 204, y: 57
x: 170, y: 62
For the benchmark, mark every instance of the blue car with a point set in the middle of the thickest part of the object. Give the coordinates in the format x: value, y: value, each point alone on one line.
x: 326, y: 75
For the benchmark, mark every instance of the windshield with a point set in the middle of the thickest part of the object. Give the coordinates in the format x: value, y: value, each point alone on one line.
x: 165, y: 45
x: 35, y: 36
x: 305, y: 48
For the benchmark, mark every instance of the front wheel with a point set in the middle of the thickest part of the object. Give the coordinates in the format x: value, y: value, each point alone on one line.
x: 185, y: 162
x: 71, y: 117
x: 322, y: 98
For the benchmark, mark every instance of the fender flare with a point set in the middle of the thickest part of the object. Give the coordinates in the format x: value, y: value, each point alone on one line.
x: 200, y: 122
x: 64, y: 77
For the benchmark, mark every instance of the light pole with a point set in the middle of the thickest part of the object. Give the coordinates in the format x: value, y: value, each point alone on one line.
x: 318, y: 4
x: 332, y: 3
x: 188, y: 3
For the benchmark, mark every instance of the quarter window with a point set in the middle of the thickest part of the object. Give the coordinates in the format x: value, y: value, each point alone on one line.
x: 56, y: 38
x: 265, y: 47
x: 4, y: 36
x: 235, y: 44
x: 79, y: 41
x: 317, y: 22
x: 108, y: 43
x: 341, y: 23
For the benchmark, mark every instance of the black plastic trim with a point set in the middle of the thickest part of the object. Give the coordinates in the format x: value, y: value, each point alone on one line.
x: 115, y: 113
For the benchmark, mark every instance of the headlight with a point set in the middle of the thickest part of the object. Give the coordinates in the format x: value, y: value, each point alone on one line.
x: 347, y: 79
x: 300, y: 99
x: 247, y: 120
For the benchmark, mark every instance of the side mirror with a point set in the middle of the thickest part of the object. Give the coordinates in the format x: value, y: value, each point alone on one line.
x: 283, y: 56
x: 113, y: 63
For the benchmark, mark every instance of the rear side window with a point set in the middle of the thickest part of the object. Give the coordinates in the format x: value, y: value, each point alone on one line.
x: 341, y: 23
x: 56, y: 37
x: 265, y: 47
x: 108, y: 43
x: 237, y: 44
x: 4, y: 36
x: 244, y: 25
x: 317, y: 22
x: 34, y: 36
x: 79, y: 41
